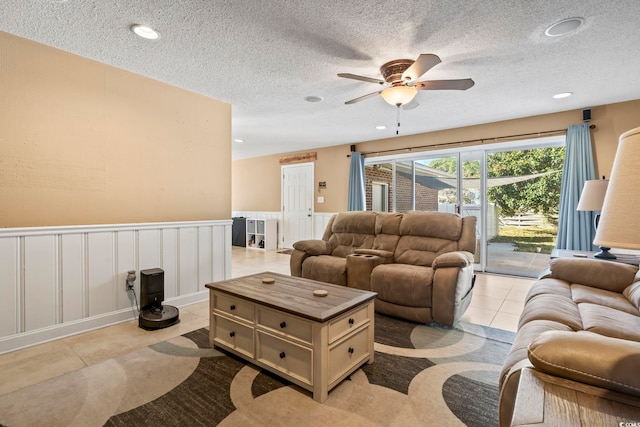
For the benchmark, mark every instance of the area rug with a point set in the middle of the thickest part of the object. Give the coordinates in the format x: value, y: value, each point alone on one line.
x: 285, y: 251
x: 422, y: 376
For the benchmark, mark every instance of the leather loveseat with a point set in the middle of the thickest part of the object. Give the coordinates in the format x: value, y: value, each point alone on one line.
x: 419, y: 263
x: 580, y: 323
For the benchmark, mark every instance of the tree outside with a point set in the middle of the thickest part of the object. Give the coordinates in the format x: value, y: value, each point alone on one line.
x: 531, y: 185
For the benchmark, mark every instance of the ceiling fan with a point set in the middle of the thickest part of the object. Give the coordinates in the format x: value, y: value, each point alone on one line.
x: 400, y: 76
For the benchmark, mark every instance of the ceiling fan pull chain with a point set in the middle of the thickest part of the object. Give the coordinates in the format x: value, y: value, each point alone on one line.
x: 398, y: 120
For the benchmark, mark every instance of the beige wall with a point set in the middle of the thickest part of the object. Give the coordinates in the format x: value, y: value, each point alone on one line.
x: 85, y: 143
x: 261, y: 191
x: 256, y: 182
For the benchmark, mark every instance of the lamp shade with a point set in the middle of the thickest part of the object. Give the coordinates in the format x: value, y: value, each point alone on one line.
x: 399, y: 95
x: 619, y: 221
x: 592, y: 197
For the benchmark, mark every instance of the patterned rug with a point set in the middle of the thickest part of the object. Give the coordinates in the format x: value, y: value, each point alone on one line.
x: 422, y: 375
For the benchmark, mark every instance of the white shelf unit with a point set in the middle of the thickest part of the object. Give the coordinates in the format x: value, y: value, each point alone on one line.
x: 262, y: 233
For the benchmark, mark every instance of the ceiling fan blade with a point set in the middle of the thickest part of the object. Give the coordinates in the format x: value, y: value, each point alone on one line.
x: 461, y: 84
x: 424, y: 63
x: 361, y: 78
x: 362, y: 98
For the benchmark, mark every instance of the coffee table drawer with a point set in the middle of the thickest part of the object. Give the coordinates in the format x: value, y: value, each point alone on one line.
x: 233, y: 306
x: 285, y: 324
x: 234, y: 335
x: 348, y: 323
x: 286, y: 357
x: 348, y: 353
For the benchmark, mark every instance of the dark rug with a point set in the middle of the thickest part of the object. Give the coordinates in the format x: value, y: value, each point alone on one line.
x: 422, y: 375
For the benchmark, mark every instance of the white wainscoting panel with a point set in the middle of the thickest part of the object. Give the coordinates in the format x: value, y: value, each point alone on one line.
x: 125, y: 261
x: 169, y: 262
x: 320, y: 221
x: 41, y: 284
x: 11, y: 300
x: 59, y: 281
x: 188, y: 260
x: 73, y: 276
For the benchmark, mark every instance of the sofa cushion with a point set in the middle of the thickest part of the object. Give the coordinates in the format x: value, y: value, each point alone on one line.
x: 607, y: 275
x: 407, y: 285
x: 352, y: 230
x: 588, y: 358
x: 439, y: 225
x: 610, y: 322
x: 555, y: 308
x: 550, y: 286
x: 422, y: 251
x: 585, y: 294
x: 326, y: 268
x: 632, y: 293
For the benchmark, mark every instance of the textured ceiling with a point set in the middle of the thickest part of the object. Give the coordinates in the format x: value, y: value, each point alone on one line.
x: 265, y: 56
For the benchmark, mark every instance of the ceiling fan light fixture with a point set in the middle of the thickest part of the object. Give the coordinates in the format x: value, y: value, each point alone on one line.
x: 399, y: 95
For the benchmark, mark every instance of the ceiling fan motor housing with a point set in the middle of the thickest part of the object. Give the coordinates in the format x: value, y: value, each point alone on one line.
x: 392, y: 70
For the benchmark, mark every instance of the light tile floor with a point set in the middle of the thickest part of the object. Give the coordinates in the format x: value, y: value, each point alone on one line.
x: 497, y: 301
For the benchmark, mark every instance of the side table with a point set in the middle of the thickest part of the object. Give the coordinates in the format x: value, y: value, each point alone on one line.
x: 567, y: 253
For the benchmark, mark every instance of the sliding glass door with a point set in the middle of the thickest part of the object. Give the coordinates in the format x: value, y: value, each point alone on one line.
x: 513, y: 191
x: 523, y: 191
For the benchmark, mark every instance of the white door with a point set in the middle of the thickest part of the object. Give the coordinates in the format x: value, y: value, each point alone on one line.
x: 297, y: 203
x: 379, y: 197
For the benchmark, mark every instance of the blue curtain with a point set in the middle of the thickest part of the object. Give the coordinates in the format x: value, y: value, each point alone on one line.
x: 575, y: 229
x: 356, y: 183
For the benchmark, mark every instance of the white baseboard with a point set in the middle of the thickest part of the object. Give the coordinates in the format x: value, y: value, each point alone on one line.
x: 28, y: 339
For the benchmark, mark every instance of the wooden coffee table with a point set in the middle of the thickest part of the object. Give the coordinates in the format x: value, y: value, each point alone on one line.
x: 313, y: 341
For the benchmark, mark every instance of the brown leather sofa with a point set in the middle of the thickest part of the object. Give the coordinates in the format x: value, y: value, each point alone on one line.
x: 419, y: 263
x: 581, y: 322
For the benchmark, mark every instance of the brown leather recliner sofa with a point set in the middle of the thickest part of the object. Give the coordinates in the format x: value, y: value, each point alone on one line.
x: 419, y: 263
x: 581, y: 322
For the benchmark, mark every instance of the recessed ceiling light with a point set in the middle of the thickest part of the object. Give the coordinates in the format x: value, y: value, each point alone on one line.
x: 145, y: 32
x: 239, y: 141
x: 313, y: 98
x: 564, y: 27
x: 562, y: 95
x: 381, y: 127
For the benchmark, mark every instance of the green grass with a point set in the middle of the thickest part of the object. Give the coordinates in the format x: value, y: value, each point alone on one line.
x: 528, y: 239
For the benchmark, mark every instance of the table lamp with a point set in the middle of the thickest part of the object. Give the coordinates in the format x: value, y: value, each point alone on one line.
x: 592, y: 199
x: 619, y: 225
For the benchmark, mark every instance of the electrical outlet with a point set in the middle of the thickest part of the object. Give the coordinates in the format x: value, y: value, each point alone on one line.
x: 131, y: 278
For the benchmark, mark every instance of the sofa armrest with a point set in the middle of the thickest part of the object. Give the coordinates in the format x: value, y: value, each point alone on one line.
x: 359, y: 268
x: 607, y: 275
x: 376, y: 252
x: 453, y: 280
x: 303, y: 250
x: 313, y: 247
x: 453, y: 259
x: 589, y: 358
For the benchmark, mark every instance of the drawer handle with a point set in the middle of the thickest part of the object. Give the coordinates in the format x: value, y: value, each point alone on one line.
x: 283, y: 324
x: 282, y: 355
x: 350, y: 350
x: 351, y: 321
x: 232, y: 334
x: 233, y: 307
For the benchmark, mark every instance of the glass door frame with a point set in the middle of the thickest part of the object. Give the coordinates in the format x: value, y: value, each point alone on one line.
x: 484, y: 151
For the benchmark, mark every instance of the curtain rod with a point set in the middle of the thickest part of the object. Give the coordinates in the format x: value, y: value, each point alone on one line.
x: 480, y: 140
